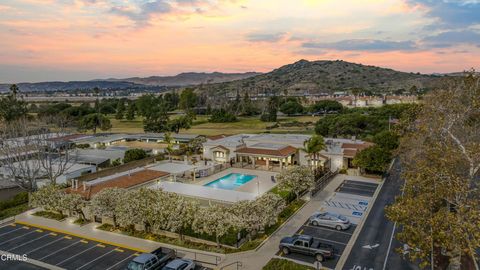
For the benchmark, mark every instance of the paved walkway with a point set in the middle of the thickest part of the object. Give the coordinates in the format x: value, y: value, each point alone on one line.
x: 254, y: 260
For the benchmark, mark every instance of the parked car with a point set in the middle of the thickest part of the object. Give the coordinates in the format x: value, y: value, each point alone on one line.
x: 152, y: 261
x: 328, y: 219
x: 180, y: 264
x: 307, y: 245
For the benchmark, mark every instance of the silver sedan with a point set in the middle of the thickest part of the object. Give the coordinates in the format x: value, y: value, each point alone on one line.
x: 328, y: 219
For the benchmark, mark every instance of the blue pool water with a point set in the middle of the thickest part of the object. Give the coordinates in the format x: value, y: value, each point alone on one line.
x: 231, y: 181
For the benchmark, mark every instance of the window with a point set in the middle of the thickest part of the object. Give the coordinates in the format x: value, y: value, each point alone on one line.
x: 297, y: 243
x: 219, y: 154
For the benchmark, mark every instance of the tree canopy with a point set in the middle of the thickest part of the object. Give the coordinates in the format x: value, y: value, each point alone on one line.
x: 93, y: 122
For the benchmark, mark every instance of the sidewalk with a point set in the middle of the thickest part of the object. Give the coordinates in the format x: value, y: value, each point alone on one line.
x: 90, y: 232
x: 255, y: 260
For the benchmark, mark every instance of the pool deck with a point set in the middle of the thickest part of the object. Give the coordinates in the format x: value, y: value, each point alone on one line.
x: 259, y: 185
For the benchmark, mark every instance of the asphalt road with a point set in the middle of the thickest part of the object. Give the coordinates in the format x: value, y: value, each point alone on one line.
x: 371, y: 249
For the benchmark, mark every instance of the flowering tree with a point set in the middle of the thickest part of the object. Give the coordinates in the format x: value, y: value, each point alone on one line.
x: 270, y: 206
x: 214, y: 220
x: 182, y: 214
x: 49, y: 198
x: 135, y: 208
x: 105, y: 202
x: 256, y: 215
x: 297, y: 179
x: 73, y: 203
x: 161, y: 210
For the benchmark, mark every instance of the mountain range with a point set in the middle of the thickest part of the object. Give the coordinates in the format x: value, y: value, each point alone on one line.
x: 180, y: 80
x: 300, y: 77
x: 325, y: 77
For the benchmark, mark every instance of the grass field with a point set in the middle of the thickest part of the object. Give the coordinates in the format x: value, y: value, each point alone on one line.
x: 297, y: 124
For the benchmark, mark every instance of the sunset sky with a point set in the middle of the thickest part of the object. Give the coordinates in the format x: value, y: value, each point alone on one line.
x: 44, y: 40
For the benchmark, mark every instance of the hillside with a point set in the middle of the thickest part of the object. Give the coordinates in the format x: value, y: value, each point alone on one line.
x: 325, y: 77
x: 190, y: 78
x: 180, y: 80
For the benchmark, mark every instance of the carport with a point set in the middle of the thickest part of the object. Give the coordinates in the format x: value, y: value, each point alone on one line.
x: 176, y: 170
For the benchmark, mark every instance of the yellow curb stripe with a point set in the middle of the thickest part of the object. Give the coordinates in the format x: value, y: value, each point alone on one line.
x: 84, y: 241
x: 38, y: 230
x: 136, y: 254
x: 119, y: 250
x: 100, y: 245
x: 53, y: 234
x: 81, y: 236
x: 300, y: 232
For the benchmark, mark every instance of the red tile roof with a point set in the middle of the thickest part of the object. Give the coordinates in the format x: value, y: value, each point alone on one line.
x: 286, y: 151
x: 217, y: 137
x: 125, y: 181
x: 349, y: 153
x: 358, y: 146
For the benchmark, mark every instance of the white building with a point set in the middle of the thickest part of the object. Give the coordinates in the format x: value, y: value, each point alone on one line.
x: 276, y: 151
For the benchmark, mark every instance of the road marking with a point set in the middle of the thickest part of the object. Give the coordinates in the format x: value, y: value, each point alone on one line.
x: 38, y: 230
x: 13, y: 224
x: 16, y: 237
x: 121, y: 261
x: 81, y: 236
x: 96, y: 259
x: 26, y: 227
x: 301, y: 231
x: 10, y: 231
x: 75, y: 255
x: 136, y: 254
x: 54, y: 234
x: 67, y: 237
x: 100, y: 245
x: 43, y: 246
x: 84, y: 241
x: 323, y: 239
x: 119, y: 250
x: 28, y: 242
x: 58, y: 251
x: 326, y: 229
x: 371, y: 246
x: 393, y: 231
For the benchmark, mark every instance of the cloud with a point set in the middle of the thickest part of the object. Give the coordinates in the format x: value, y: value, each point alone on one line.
x: 452, y: 38
x: 142, y: 14
x: 265, y: 37
x: 451, y: 13
x: 363, y: 45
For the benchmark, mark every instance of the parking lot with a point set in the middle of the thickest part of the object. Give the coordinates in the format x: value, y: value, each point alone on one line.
x: 62, y: 250
x: 351, y: 199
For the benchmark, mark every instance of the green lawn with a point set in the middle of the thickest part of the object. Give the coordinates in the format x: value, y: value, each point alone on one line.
x: 297, y: 124
x: 280, y: 264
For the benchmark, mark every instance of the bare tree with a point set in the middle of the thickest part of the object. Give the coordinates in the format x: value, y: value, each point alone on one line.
x: 30, y: 151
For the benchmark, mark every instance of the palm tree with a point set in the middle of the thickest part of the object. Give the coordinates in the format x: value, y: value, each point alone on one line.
x: 313, y: 147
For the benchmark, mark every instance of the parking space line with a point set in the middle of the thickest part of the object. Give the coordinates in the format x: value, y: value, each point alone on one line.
x: 10, y: 231
x: 67, y: 237
x: 119, y: 250
x: 75, y: 255
x: 84, y: 241
x: 38, y: 230
x: 16, y: 237
x: 27, y: 242
x: 82, y: 236
x: 58, y: 251
x: 95, y: 259
x: 327, y: 229
x: 26, y: 227
x: 100, y: 245
x: 13, y: 224
x: 35, y: 249
x: 53, y: 234
x: 323, y: 239
x: 120, y: 261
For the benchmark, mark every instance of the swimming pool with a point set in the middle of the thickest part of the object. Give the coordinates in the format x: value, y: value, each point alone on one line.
x: 231, y: 181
